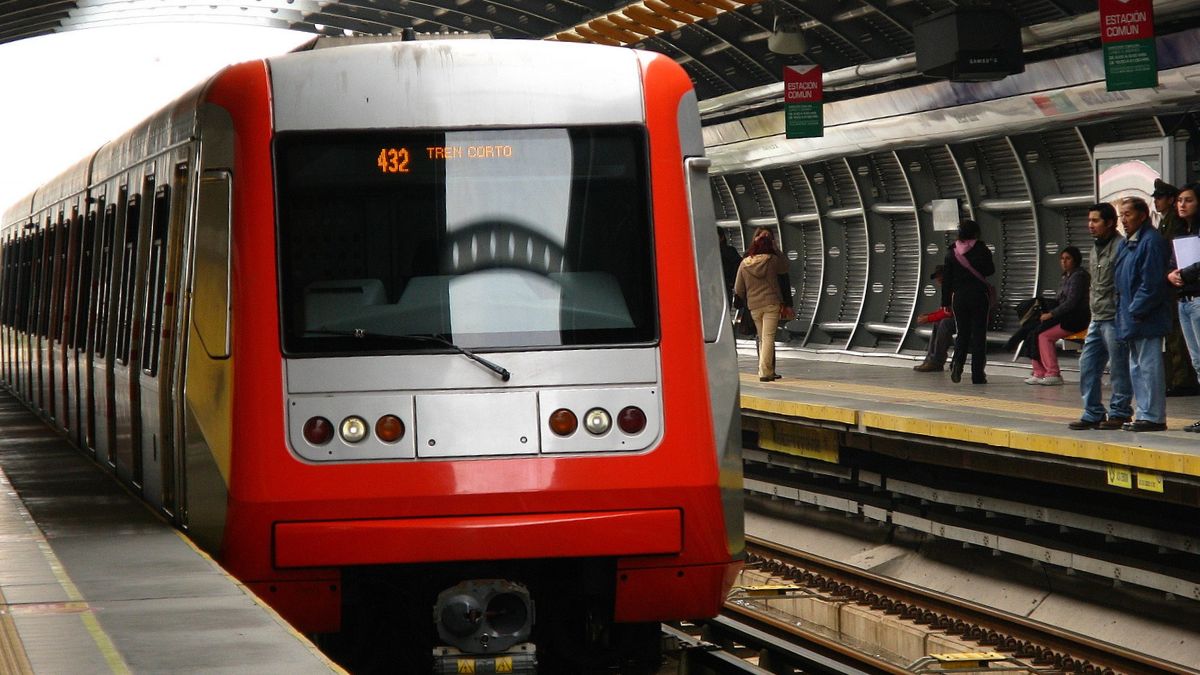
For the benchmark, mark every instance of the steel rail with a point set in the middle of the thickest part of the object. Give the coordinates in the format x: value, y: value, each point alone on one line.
x: 1047, y: 644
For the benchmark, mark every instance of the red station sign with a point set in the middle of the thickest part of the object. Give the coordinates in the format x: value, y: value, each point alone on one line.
x: 1127, y: 36
x: 803, y: 95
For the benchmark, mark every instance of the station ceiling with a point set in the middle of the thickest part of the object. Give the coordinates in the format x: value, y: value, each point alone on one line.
x: 722, y: 43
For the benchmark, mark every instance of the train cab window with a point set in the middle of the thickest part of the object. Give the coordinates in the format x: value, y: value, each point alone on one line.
x: 104, y: 283
x: 504, y: 238
x: 155, y: 280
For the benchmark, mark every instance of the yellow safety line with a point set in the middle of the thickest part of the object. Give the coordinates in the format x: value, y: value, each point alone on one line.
x: 103, y: 643
x: 13, y: 658
x: 267, y: 608
x: 1111, y: 453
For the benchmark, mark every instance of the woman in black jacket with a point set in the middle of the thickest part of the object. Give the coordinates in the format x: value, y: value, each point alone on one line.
x: 965, y: 290
x: 1187, y: 280
x: 1071, y: 314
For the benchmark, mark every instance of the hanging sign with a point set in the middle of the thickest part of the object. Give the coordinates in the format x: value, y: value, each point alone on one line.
x: 802, y: 101
x: 1127, y: 34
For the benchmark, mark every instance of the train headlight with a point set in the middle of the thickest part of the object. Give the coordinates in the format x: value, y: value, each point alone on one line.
x: 631, y: 420
x: 597, y: 421
x: 318, y: 431
x: 563, y: 422
x: 389, y: 428
x: 353, y: 429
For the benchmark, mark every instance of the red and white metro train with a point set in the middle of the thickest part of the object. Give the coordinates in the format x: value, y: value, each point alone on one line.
x: 441, y: 319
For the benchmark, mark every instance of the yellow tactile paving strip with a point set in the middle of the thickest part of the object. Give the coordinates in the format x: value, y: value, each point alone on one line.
x: 75, y: 604
x: 1079, y: 448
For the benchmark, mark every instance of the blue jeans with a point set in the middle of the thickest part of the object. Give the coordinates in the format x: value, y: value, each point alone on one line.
x: 1149, y: 378
x: 1102, y: 347
x: 1189, y: 321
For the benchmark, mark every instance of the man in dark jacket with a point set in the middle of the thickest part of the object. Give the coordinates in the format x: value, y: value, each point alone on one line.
x: 940, y: 336
x: 1143, y: 317
x: 730, y: 259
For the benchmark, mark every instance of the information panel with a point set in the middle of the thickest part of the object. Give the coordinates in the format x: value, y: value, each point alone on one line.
x: 1127, y: 34
x: 802, y: 102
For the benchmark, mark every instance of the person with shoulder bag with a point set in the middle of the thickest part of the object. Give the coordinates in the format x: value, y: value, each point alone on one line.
x: 966, y: 291
x: 757, y: 282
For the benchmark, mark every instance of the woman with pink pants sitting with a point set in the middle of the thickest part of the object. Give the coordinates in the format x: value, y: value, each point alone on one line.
x: 1071, y: 315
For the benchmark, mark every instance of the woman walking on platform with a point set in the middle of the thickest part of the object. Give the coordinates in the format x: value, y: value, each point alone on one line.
x: 757, y: 286
x: 966, y: 290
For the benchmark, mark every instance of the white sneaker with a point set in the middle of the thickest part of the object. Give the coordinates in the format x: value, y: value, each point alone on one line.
x: 1033, y: 380
x: 1051, y: 380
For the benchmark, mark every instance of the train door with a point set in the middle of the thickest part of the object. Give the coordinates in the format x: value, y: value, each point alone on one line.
x: 68, y: 385
x: 124, y: 348
x: 6, y: 260
x: 37, y: 287
x: 45, y: 295
x: 78, y: 338
x: 202, y: 370
x: 55, y: 289
x: 102, y: 388
x: 158, y: 295
x: 21, y: 316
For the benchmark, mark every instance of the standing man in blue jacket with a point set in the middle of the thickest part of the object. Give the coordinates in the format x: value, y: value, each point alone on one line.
x: 1143, y: 313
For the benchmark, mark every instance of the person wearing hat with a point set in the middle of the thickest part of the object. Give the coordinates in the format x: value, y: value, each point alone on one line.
x: 942, y: 335
x: 1164, y: 203
x: 1181, y: 377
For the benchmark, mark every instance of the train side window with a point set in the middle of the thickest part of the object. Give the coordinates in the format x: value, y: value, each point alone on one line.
x: 210, y: 297
x: 104, y: 283
x: 155, y: 280
x: 49, y: 253
x: 5, y: 263
x: 82, y: 282
x: 133, y: 213
x: 19, y: 285
x: 9, y: 282
x: 28, y: 268
x: 37, y: 254
x: 60, y: 296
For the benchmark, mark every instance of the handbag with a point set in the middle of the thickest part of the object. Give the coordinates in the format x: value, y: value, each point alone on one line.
x: 743, y: 323
x: 787, y: 313
x: 992, y: 296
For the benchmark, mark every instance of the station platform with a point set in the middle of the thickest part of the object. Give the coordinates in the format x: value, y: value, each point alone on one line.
x: 92, y: 581
x: 1004, y: 420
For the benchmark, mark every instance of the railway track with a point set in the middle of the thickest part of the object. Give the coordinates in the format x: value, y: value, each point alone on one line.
x: 836, y: 608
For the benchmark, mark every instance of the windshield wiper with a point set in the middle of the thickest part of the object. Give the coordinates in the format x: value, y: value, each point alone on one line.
x: 498, y: 370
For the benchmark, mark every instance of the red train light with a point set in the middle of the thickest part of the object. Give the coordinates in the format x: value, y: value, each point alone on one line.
x: 318, y: 431
x: 632, y: 420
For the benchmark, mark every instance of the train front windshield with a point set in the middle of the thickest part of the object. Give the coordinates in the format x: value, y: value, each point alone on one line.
x: 488, y: 238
